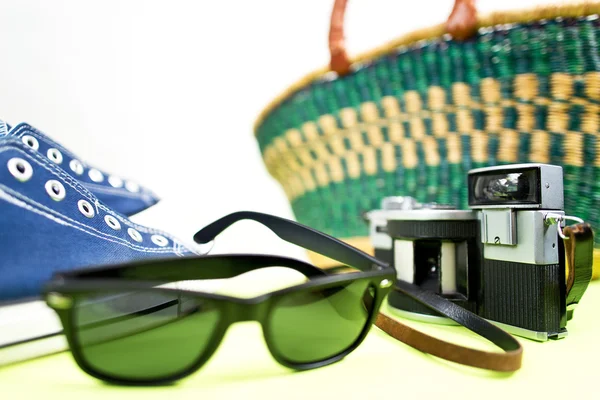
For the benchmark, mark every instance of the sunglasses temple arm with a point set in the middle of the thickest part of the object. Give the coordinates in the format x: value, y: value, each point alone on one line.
x: 297, y: 234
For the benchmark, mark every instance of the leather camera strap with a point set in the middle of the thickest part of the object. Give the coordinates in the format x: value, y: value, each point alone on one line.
x: 580, y: 258
x: 579, y: 247
x: 508, y: 361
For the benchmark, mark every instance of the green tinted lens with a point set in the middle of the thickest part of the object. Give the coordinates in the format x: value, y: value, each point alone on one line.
x: 314, y: 325
x: 143, y: 335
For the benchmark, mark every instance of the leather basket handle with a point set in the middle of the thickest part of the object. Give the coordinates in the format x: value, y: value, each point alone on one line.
x: 461, y: 24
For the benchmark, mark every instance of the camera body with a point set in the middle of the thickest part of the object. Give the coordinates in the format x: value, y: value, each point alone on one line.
x: 502, y: 259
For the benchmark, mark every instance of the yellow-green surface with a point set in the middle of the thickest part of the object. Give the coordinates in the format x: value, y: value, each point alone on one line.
x: 243, y: 368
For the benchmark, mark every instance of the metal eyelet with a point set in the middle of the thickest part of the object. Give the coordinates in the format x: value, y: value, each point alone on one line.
x: 112, y: 222
x: 135, y: 235
x: 132, y: 187
x: 55, y: 190
x: 96, y: 175
x: 86, y: 208
x: 76, y: 166
x: 20, y: 169
x: 55, y: 156
x: 31, y: 142
x: 159, y: 240
x: 115, y: 181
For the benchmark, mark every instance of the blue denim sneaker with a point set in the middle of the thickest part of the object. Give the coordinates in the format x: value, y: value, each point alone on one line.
x: 123, y: 196
x: 50, y: 221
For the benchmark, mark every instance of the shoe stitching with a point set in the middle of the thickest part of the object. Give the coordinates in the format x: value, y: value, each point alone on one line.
x: 48, y: 165
x: 70, y: 181
x: 18, y: 132
x: 19, y: 203
x: 92, y: 230
x: 43, y: 162
x: 115, y: 191
x: 176, y: 250
x: 3, y: 129
x: 28, y: 129
x: 93, y: 200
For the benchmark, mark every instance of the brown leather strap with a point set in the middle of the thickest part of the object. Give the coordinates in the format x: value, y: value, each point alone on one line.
x: 579, y: 246
x: 505, y: 362
x: 508, y: 361
x: 461, y: 24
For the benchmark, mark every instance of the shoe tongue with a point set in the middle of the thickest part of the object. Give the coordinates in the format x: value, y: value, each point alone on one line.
x: 4, y: 128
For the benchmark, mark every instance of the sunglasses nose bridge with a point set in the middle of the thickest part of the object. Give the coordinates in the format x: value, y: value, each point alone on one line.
x: 251, y: 311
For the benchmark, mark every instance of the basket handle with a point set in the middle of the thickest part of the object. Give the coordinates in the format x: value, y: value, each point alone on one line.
x: 461, y: 24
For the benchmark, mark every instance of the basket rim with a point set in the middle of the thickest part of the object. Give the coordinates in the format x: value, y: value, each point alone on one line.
x: 578, y: 8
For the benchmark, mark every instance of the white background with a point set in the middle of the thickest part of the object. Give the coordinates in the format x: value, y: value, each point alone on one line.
x: 166, y: 92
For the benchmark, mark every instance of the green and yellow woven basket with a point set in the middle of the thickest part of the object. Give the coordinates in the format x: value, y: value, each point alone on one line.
x: 412, y: 117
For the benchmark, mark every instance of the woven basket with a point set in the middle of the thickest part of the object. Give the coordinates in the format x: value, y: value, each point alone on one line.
x: 412, y: 117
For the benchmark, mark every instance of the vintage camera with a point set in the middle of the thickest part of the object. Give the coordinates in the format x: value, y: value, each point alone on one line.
x: 503, y: 259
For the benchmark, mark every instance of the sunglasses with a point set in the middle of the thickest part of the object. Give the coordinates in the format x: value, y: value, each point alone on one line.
x: 140, y: 323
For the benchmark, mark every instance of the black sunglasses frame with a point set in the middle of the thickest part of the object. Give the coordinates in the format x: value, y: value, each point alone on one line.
x: 66, y: 288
